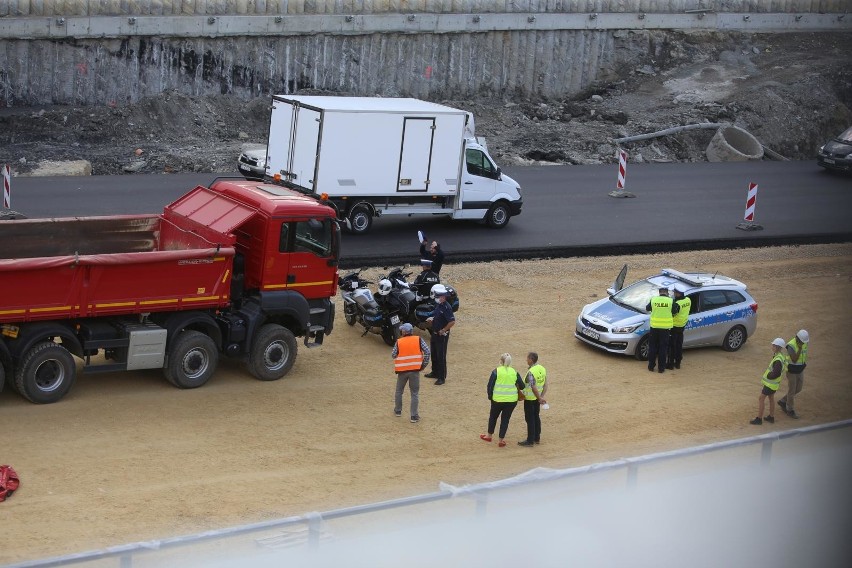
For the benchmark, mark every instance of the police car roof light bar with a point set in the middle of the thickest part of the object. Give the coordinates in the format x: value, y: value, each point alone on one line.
x: 677, y: 274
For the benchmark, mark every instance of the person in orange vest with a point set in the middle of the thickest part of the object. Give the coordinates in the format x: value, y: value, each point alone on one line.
x: 771, y: 380
x: 410, y: 355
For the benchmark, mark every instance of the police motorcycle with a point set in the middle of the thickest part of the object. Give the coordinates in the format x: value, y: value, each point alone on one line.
x: 416, y: 305
x: 360, y: 306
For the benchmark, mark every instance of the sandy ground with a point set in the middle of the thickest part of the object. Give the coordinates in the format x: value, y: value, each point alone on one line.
x: 126, y: 457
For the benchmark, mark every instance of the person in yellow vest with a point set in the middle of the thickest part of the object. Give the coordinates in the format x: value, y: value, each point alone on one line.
x: 679, y: 321
x: 770, y: 381
x: 410, y: 355
x: 663, y: 310
x: 797, y: 359
x: 535, y: 385
x: 503, y: 387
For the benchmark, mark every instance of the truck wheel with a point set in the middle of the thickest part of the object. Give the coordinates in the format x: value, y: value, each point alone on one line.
x: 734, y: 339
x: 498, y: 215
x: 192, y: 360
x: 641, y: 352
x: 273, y: 353
x: 46, y: 373
x: 360, y: 220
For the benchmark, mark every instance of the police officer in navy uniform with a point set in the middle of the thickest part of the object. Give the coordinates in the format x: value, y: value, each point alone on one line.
x: 434, y: 253
x: 663, y: 310
x: 425, y: 280
x: 442, y: 321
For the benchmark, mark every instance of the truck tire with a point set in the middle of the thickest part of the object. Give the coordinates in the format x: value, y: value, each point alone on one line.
x: 360, y: 220
x: 46, y: 373
x: 273, y: 353
x: 498, y: 215
x: 192, y: 360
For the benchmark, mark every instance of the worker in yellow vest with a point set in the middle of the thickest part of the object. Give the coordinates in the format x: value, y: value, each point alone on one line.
x: 771, y: 380
x: 684, y: 305
x: 503, y: 387
x: 663, y: 310
x: 410, y: 355
x: 797, y: 357
x: 535, y: 385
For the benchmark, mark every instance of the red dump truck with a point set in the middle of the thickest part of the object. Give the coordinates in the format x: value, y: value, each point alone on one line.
x: 238, y: 269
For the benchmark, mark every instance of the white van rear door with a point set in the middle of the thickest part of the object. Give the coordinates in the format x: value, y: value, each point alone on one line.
x: 415, y: 157
x: 305, y: 148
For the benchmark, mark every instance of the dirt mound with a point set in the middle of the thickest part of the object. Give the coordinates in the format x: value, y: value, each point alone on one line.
x: 792, y: 91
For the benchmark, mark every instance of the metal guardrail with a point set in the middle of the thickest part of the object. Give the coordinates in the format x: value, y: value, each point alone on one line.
x: 125, y: 554
x: 81, y: 27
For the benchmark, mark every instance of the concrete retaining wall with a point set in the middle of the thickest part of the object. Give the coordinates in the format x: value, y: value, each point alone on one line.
x: 292, y: 7
x: 93, y: 52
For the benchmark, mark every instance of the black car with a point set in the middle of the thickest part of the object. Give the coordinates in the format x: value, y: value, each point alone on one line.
x: 836, y: 154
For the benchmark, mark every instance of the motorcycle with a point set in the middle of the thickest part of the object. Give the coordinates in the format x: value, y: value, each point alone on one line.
x: 416, y: 306
x: 359, y: 306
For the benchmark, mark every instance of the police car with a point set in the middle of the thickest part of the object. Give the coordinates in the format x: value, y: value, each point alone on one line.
x: 722, y: 314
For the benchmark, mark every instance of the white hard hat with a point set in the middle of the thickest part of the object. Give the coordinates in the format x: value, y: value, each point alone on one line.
x: 384, y: 287
x: 438, y: 290
x: 803, y: 335
x: 778, y: 342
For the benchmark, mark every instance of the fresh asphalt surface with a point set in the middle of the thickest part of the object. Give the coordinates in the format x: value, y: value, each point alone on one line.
x: 567, y: 210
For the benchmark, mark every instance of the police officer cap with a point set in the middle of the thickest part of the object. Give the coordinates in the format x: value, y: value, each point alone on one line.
x: 425, y: 262
x: 406, y: 328
x: 778, y: 342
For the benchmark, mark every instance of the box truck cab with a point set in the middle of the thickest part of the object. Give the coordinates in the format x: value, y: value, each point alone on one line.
x: 370, y: 156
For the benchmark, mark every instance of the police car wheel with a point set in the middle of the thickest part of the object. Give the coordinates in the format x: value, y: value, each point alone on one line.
x: 734, y: 339
x: 641, y: 352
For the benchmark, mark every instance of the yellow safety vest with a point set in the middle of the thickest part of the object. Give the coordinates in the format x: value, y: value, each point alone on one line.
x: 409, y: 357
x: 803, y: 353
x: 505, y: 389
x: 774, y: 383
x: 540, y: 375
x: 661, y: 312
x: 683, y: 315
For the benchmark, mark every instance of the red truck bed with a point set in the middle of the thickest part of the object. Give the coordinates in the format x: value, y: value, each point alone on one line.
x: 95, y: 266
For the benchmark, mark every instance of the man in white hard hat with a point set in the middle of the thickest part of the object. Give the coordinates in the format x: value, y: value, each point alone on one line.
x: 797, y: 357
x: 771, y: 381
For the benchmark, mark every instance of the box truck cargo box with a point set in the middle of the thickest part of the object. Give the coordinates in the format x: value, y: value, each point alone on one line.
x: 370, y: 156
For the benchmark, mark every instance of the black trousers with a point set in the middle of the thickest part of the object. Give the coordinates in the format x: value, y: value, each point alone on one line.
x: 439, y: 355
x: 504, y: 410
x: 676, y: 346
x: 532, y: 414
x: 658, y: 347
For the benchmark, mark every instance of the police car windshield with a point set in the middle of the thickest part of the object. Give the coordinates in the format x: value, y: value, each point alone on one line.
x: 636, y: 296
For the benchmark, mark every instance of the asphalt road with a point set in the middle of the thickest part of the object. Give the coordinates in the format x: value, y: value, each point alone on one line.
x: 567, y: 210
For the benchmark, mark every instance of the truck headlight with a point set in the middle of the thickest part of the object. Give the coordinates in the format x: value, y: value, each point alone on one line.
x: 626, y: 328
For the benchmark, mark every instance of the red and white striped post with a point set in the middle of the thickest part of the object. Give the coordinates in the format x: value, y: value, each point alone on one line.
x: 622, y: 176
x: 622, y: 169
x: 7, y: 187
x: 751, y: 202
x: 748, y: 223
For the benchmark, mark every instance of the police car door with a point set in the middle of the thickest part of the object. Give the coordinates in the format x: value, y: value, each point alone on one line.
x: 708, y: 324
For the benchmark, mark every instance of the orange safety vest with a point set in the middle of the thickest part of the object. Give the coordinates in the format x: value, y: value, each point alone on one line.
x: 409, y: 357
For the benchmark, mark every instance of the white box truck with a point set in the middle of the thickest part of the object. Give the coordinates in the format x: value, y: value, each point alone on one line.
x: 370, y: 157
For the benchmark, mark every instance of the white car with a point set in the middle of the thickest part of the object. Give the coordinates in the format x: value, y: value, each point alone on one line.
x: 252, y: 161
x: 723, y: 314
